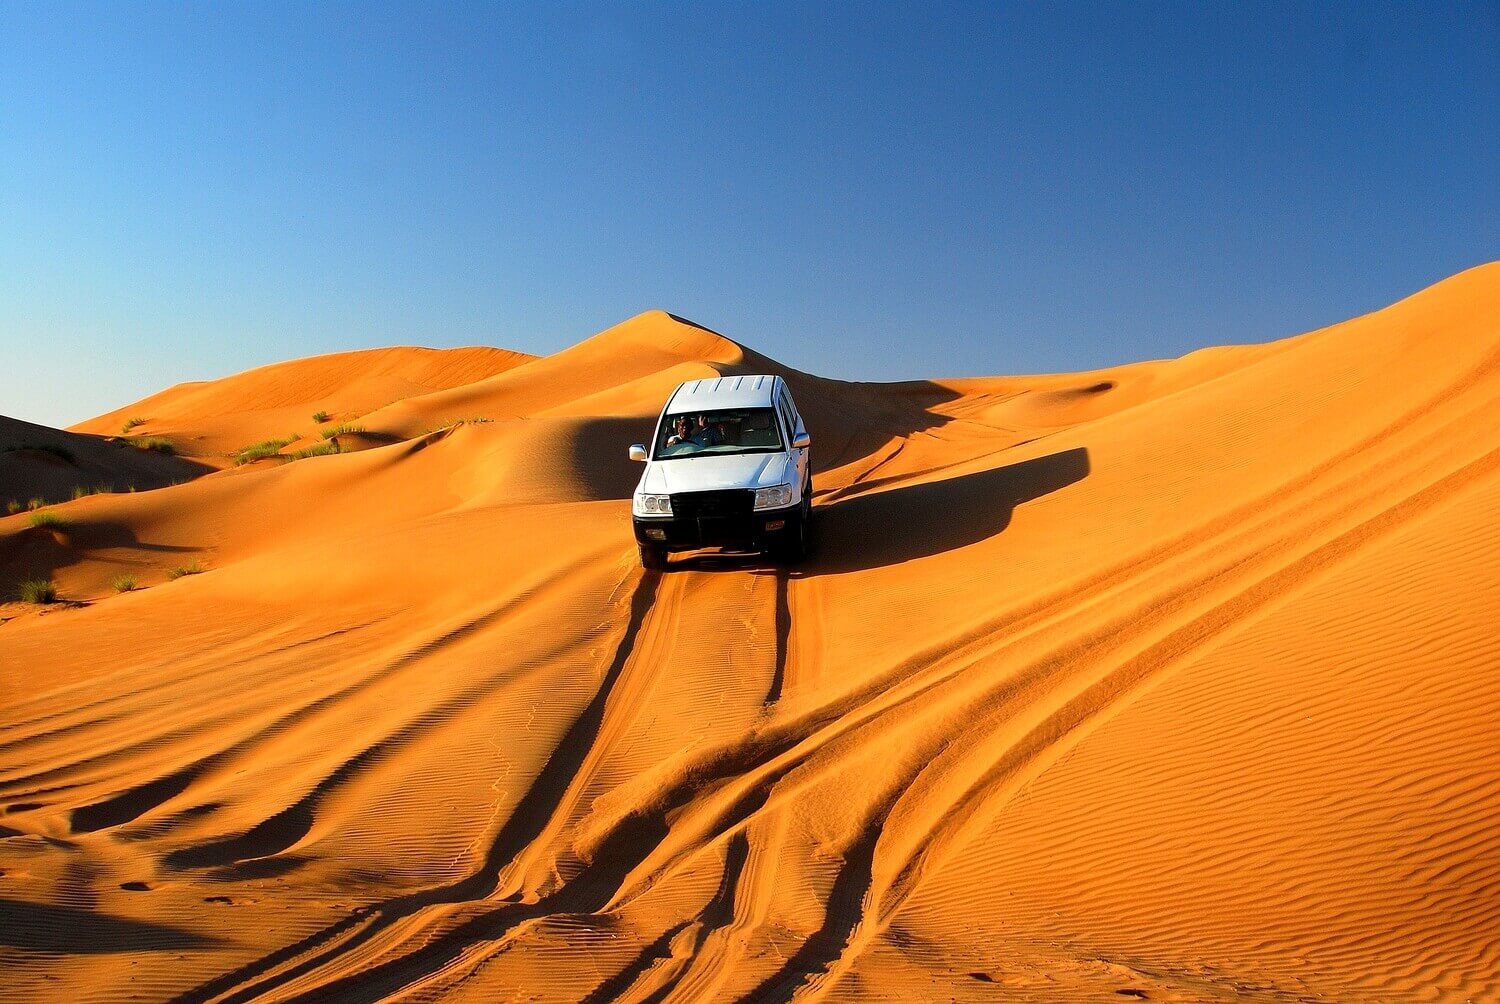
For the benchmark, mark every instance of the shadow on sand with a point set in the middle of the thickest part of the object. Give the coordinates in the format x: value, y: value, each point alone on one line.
x: 39, y: 927
x: 39, y: 552
x: 902, y: 524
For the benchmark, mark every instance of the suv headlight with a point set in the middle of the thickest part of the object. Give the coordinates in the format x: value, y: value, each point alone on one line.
x: 653, y: 505
x: 772, y: 498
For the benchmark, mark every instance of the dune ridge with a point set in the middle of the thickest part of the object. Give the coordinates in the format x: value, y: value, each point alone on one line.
x: 211, y: 419
x: 1172, y: 681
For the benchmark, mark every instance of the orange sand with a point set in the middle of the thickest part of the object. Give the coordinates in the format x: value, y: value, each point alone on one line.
x: 1178, y: 681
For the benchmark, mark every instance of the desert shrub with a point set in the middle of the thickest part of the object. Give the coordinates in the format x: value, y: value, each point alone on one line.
x: 321, y: 450
x: 131, y: 423
x: 36, y: 504
x: 158, y: 444
x: 47, y: 519
x: 461, y: 421
x: 320, y: 417
x: 260, y: 451
x: 12, y: 507
x: 123, y: 583
x: 341, y: 429
x: 37, y: 591
x: 181, y: 570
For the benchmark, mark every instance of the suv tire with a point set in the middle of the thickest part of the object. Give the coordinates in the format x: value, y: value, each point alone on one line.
x: 653, y: 557
x: 798, y: 544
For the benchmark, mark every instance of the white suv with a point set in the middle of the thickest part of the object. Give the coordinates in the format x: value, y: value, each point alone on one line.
x: 728, y: 467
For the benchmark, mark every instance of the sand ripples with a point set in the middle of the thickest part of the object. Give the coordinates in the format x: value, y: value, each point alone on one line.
x: 1183, y: 689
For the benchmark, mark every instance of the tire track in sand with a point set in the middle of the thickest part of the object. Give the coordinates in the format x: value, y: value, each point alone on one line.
x: 276, y: 972
x: 715, y: 600
x: 726, y: 814
x: 734, y: 777
x: 643, y: 827
x: 456, y: 953
x: 927, y: 824
x: 137, y: 800
x: 758, y: 802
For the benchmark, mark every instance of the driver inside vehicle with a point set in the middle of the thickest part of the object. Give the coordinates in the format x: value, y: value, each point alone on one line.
x: 680, y: 431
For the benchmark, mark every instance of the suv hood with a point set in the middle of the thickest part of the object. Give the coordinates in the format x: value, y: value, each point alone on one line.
x: 706, y: 473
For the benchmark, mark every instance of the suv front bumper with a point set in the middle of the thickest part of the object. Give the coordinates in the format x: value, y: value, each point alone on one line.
x: 759, y: 529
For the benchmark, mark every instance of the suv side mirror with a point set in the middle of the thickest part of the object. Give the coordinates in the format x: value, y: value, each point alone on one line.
x: 637, y: 451
x: 801, y: 440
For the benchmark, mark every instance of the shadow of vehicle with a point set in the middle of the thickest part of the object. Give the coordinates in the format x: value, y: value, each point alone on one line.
x: 903, y: 524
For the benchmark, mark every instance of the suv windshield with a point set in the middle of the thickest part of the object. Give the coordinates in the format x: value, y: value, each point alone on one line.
x: 718, y: 433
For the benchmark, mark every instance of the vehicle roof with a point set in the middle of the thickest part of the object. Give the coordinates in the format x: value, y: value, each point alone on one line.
x: 725, y: 392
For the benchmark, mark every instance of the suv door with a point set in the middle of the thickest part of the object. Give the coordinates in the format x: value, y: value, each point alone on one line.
x: 793, y: 423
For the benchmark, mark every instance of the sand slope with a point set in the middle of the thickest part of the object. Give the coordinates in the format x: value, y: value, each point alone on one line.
x: 210, y: 420
x: 1175, y: 681
x: 38, y: 462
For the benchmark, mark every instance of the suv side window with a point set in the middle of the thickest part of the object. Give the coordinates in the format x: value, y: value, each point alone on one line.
x: 786, y: 416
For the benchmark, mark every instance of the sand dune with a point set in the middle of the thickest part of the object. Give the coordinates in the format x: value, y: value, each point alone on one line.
x: 1174, y: 681
x: 210, y: 420
x: 50, y: 465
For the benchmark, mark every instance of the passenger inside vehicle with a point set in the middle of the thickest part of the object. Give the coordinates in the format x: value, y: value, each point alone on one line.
x: 708, y: 433
x: 739, y: 430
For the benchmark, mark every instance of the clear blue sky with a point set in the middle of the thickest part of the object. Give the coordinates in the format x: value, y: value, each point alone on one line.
x: 871, y: 193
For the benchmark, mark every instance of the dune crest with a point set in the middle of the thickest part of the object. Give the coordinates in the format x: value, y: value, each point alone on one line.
x: 211, y: 420
x: 1170, y: 681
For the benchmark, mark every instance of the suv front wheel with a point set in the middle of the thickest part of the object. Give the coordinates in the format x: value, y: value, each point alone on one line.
x: 653, y: 557
x: 798, y: 542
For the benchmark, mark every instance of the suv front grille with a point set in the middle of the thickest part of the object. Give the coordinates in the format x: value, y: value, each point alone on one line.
x: 730, y: 502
